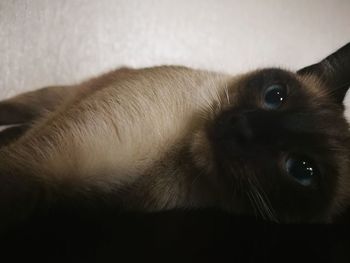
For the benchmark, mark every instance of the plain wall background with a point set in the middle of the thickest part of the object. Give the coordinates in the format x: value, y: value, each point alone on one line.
x: 46, y: 42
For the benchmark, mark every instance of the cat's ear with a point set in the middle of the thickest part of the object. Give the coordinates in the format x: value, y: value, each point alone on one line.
x: 334, y: 70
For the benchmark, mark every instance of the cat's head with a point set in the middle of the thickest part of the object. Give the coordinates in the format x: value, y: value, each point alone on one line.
x: 278, y: 145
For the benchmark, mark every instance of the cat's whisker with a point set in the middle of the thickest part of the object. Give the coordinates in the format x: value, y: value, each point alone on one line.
x: 267, y: 207
x: 257, y: 202
x: 266, y: 201
x: 227, y: 95
x: 251, y: 191
x: 260, y: 204
x: 253, y: 203
x: 263, y: 202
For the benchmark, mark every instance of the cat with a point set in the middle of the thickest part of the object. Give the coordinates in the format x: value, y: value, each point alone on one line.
x: 269, y: 143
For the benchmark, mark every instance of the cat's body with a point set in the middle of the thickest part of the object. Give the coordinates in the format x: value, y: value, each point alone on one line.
x: 173, y: 137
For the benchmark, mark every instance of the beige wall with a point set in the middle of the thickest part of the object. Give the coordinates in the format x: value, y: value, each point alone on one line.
x: 49, y: 42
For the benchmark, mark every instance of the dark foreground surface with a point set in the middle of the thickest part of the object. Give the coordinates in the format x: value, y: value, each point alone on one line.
x: 68, y: 236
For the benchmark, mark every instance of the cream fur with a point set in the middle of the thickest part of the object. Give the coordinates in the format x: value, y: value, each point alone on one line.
x: 111, y: 136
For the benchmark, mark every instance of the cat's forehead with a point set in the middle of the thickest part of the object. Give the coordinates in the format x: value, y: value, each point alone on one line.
x: 261, y: 78
x: 304, y: 91
x: 307, y: 107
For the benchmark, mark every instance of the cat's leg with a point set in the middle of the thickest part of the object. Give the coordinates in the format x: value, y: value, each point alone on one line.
x: 17, y: 114
x: 27, y: 107
x: 70, y: 154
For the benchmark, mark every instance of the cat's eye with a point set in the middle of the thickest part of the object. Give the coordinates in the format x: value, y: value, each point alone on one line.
x: 301, y: 169
x: 274, y: 96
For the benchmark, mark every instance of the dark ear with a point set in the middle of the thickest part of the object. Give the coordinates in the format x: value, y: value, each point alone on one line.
x: 334, y: 70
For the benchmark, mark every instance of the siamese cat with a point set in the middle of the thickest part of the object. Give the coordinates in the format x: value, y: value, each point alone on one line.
x: 269, y: 143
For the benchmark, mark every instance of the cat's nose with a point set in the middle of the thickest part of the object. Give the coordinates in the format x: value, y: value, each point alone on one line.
x: 235, y: 127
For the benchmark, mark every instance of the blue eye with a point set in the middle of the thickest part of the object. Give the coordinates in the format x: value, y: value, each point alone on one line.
x: 274, y: 96
x: 301, y: 169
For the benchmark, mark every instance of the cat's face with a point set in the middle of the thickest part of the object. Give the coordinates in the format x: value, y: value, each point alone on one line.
x: 277, y: 147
